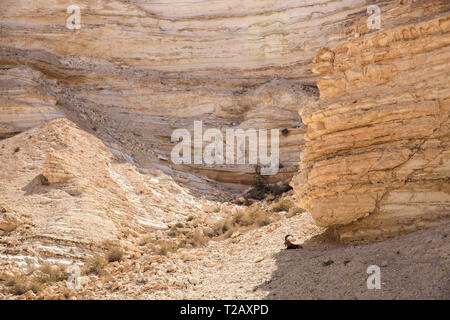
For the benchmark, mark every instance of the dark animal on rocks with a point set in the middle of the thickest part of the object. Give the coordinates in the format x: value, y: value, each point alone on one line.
x: 289, y: 244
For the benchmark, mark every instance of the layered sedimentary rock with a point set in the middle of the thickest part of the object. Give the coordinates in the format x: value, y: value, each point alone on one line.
x: 137, y: 70
x: 377, y: 156
x: 24, y: 104
x: 63, y: 193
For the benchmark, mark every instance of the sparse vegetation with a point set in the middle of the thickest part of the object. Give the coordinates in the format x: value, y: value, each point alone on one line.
x: 19, y: 285
x: 197, y: 239
x: 261, y: 189
x: 48, y: 273
x: 243, y: 219
x: 95, y: 265
x: 166, y: 246
x: 114, y: 254
x: 295, y: 211
x: 282, y: 205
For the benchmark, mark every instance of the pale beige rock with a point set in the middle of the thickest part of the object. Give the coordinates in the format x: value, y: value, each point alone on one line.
x: 24, y: 102
x: 377, y: 156
x: 136, y: 71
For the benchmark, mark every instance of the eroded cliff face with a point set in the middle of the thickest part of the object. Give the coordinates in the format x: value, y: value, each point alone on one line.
x: 377, y: 157
x: 137, y: 70
x: 24, y: 104
x: 377, y: 140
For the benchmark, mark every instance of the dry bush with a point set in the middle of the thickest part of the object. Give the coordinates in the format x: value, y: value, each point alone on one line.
x: 49, y: 273
x: 166, y: 247
x: 146, y: 240
x: 252, y: 216
x: 223, y: 227
x: 197, y: 239
x: 282, y: 205
x: 115, y: 253
x: 243, y: 219
x: 19, y: 285
x: 95, y: 264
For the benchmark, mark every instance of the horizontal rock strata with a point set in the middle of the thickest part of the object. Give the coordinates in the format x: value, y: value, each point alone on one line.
x: 24, y: 103
x: 63, y: 193
x: 137, y: 70
x: 377, y: 157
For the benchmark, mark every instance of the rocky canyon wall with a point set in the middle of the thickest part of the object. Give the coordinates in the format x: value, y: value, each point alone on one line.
x: 374, y: 147
x: 137, y: 70
x: 377, y: 156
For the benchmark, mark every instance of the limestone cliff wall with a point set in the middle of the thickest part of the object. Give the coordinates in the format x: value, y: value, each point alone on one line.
x: 137, y: 70
x: 377, y: 156
x: 23, y: 102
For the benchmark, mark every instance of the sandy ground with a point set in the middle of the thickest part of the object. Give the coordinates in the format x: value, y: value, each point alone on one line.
x: 255, y: 265
x: 250, y: 265
x: 414, y: 266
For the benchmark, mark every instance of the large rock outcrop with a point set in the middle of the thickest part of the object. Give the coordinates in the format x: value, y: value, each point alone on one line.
x: 377, y: 157
x: 63, y: 193
x: 24, y: 103
x: 137, y: 70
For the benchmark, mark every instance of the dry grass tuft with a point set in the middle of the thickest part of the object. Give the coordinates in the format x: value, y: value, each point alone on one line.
x: 95, y: 264
x: 164, y: 247
x: 115, y: 253
x: 282, y: 205
x: 20, y: 285
x: 197, y: 239
x: 48, y: 273
x: 246, y: 218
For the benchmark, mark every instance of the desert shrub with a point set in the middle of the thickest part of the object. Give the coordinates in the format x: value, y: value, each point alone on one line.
x: 164, y: 247
x: 146, y: 240
x: 48, y: 273
x: 243, y: 219
x: 95, y: 264
x: 262, y: 219
x: 252, y: 216
x: 282, y: 205
x: 223, y: 227
x: 197, y: 239
x: 19, y: 285
x: 114, y: 253
x: 280, y: 189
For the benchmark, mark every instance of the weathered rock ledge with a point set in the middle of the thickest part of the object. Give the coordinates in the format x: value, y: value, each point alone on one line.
x: 377, y: 157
